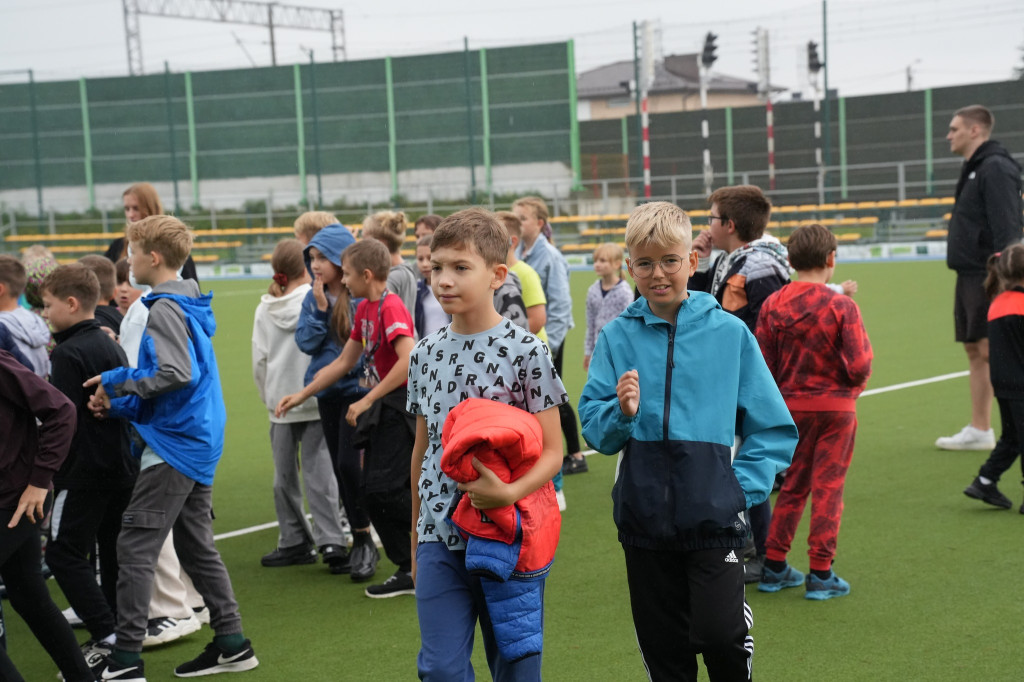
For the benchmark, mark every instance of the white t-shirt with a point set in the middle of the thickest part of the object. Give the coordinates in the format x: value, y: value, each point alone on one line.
x: 505, y: 363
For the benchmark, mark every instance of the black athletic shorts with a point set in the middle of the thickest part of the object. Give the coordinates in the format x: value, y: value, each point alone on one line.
x: 970, y: 308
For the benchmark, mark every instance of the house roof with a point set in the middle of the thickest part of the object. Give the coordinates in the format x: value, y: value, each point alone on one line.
x: 676, y: 73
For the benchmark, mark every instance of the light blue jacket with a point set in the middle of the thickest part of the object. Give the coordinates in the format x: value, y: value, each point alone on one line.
x: 550, y: 264
x: 703, y: 384
x: 173, y: 398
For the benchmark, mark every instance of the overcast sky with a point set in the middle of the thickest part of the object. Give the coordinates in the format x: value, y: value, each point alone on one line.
x: 871, y: 42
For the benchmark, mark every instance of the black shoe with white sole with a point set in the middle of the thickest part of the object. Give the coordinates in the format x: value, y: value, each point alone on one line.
x: 215, y: 660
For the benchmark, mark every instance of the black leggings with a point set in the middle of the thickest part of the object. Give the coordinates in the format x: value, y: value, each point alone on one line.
x: 20, y: 557
x: 347, y: 462
x: 566, y: 415
x: 1008, y: 447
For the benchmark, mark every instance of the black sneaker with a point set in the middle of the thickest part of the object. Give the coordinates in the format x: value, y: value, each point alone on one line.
x: 290, y: 556
x: 753, y: 570
x: 364, y: 559
x: 336, y: 558
x: 112, y: 670
x: 572, y: 465
x: 215, y: 660
x: 95, y: 654
x: 398, y: 584
x: 989, y: 494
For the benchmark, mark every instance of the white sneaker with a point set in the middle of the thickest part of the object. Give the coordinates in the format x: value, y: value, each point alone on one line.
x: 969, y: 438
x: 560, y: 498
x: 164, y: 630
x: 72, y: 618
x: 203, y: 614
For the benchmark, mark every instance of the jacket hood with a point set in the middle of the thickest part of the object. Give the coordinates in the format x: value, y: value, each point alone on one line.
x: 696, y: 306
x: 793, y: 316
x: 185, y: 293
x: 771, y: 246
x: 330, y: 241
x: 283, y: 311
x: 992, y: 148
x: 27, y: 328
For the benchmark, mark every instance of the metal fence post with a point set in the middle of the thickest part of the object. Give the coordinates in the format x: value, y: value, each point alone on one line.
x: 672, y: 184
x: 901, y: 181
x: 52, y: 220
x: 213, y: 216
x: 270, y: 208
x: 105, y: 220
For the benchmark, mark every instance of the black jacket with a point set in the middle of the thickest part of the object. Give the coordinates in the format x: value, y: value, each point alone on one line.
x: 1006, y: 344
x: 100, y: 457
x: 987, y: 214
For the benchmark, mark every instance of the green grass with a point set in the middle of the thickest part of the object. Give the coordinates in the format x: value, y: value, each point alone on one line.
x: 928, y: 567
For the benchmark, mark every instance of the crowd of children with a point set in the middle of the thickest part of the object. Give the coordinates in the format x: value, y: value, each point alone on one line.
x: 371, y: 372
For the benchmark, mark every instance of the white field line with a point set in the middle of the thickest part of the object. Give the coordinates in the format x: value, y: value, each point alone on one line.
x: 874, y: 391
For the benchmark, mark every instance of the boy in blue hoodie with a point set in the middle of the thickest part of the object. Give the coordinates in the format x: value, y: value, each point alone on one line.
x: 679, y: 497
x: 173, y: 399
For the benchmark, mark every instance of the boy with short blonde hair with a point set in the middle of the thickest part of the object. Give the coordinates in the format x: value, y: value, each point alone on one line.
x: 309, y: 223
x: 173, y: 399
x: 480, y: 354
x: 681, y: 523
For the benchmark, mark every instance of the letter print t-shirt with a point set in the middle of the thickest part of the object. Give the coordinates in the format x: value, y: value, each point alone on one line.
x: 505, y: 363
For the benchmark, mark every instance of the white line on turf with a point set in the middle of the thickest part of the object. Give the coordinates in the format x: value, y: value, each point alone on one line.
x: 874, y: 391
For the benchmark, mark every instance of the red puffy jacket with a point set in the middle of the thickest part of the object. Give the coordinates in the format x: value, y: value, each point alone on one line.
x: 508, y: 441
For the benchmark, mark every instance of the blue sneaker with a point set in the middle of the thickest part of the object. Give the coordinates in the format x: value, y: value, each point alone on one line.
x: 821, y: 590
x: 773, y: 582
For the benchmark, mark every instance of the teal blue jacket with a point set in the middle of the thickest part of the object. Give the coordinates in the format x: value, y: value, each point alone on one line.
x: 704, y: 386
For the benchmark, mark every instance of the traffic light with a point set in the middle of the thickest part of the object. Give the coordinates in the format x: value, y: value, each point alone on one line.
x: 708, y: 56
x: 814, y: 64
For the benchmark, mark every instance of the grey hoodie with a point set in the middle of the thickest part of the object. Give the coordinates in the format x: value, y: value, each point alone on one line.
x: 32, y: 335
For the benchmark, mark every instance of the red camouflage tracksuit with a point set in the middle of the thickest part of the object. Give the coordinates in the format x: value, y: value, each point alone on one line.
x: 816, y: 347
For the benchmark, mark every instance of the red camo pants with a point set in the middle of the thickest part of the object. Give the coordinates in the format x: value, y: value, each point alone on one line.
x: 819, y: 468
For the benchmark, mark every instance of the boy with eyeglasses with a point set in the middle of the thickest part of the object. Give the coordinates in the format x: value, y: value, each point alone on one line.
x: 678, y: 494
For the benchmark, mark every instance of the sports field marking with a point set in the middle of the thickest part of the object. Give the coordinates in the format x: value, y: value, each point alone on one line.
x: 874, y: 391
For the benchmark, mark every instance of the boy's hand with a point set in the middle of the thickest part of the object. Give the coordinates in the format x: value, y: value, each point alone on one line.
x: 319, y: 295
x: 287, y: 403
x: 488, y: 491
x: 702, y: 243
x: 850, y: 287
x: 628, y: 391
x: 356, y: 409
x: 99, y: 402
x: 30, y: 505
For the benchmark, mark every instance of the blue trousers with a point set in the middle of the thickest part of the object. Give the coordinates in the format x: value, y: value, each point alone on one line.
x: 449, y: 601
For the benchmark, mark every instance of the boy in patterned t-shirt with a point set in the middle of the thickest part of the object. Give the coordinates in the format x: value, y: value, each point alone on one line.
x: 478, y: 355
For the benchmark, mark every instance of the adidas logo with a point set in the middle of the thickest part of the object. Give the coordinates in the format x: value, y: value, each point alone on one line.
x: 730, y: 558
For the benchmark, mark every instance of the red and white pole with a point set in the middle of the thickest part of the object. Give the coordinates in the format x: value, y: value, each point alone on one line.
x: 770, y: 119
x: 646, y: 146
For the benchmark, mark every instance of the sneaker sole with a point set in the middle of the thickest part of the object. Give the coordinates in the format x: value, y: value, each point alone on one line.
x: 237, y: 667
x: 397, y: 593
x: 964, y: 446
x: 187, y: 627
x: 776, y: 587
x: 822, y: 595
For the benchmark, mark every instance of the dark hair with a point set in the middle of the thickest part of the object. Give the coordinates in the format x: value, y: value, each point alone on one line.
x: 809, y: 246
x: 977, y: 115
x: 431, y: 220
x: 513, y: 225
x: 122, y: 269
x: 475, y: 227
x: 746, y: 206
x: 1004, y: 268
x: 371, y: 255
x: 76, y: 280
x: 105, y: 272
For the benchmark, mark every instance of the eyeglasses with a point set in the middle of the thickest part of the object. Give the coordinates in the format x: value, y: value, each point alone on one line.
x: 716, y: 217
x: 670, y: 265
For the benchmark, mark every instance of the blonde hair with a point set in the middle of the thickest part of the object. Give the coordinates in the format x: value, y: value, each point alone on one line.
x: 35, y: 252
x: 371, y: 255
x: 536, y: 205
x: 165, y: 235
x: 287, y: 263
x: 659, y: 223
x: 613, y: 252
x: 311, y: 222
x: 512, y: 224
x: 149, y: 200
x: 387, y: 227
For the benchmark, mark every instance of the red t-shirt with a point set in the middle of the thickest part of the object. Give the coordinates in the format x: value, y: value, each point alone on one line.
x: 377, y: 325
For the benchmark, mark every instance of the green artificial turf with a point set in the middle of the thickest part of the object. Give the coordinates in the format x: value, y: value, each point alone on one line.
x: 932, y: 572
